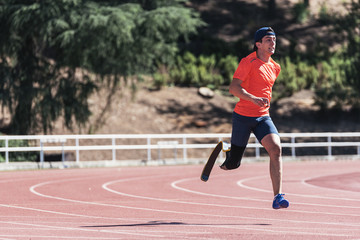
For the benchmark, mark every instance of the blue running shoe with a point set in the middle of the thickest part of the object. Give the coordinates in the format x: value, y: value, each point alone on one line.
x: 280, y: 202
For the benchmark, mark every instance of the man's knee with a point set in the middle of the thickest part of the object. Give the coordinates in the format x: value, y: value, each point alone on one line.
x: 233, y: 158
x: 272, y: 144
x: 275, y: 151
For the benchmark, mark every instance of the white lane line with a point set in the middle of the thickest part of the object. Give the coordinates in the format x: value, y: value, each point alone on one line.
x: 192, y: 213
x: 175, y: 185
x: 52, y: 227
x: 48, y: 237
x: 32, y: 189
x: 268, y: 219
x: 17, y: 236
x: 106, y: 186
x: 31, y: 236
x: 181, y: 212
x: 6, y: 237
x: 71, y: 215
x: 66, y: 214
x: 241, y: 184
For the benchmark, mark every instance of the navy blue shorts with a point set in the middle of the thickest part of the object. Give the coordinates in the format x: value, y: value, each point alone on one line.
x: 243, y: 126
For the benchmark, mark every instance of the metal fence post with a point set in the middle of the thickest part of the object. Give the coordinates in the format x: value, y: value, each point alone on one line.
x: 41, y: 153
x: 184, y: 149
x: 7, y: 150
x: 329, y: 147
x: 113, y: 150
x: 149, y: 149
x: 63, y: 152
x: 257, y: 149
x: 293, y: 153
x: 77, y: 150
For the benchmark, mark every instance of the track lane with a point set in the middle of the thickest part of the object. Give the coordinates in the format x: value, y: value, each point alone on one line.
x: 171, y: 202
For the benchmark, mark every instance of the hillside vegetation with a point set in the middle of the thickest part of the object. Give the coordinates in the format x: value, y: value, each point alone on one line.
x: 62, y: 85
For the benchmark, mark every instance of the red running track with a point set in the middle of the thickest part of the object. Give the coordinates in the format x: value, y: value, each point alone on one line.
x: 170, y: 202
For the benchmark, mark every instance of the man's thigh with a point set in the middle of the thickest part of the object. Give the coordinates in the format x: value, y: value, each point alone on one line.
x: 241, y: 130
x: 264, y: 127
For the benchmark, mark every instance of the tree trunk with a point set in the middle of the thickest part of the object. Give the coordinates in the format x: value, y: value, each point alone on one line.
x: 272, y: 8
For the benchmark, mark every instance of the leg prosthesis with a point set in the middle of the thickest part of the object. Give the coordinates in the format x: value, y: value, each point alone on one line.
x: 233, y: 158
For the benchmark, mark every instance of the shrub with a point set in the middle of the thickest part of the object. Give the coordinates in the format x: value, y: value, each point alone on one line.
x: 294, y: 76
x: 227, y: 66
x: 333, y: 89
x: 190, y: 70
x: 18, y: 156
x: 328, y: 78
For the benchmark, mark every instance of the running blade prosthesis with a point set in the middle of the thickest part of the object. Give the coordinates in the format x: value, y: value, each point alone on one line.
x: 212, y: 159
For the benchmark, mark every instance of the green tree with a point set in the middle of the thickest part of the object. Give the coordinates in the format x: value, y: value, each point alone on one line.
x: 53, y: 52
x: 349, y: 27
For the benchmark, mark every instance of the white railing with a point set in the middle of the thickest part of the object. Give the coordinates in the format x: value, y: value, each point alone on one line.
x: 65, y: 143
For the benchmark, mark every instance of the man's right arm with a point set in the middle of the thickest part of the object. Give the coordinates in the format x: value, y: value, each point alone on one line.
x: 238, y: 91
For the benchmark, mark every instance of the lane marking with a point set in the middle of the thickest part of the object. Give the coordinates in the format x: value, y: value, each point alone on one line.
x: 32, y: 189
x: 51, y: 227
x: 241, y: 184
x: 172, y: 211
x: 174, y: 184
x: 106, y: 187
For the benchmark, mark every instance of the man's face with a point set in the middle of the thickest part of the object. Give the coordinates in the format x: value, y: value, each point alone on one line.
x: 267, y: 44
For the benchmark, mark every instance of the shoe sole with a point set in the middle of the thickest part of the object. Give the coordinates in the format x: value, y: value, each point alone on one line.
x: 282, y: 204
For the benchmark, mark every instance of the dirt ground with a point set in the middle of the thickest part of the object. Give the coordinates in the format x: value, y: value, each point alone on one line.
x: 183, y: 110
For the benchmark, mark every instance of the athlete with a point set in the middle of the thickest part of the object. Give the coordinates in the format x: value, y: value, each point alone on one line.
x: 252, y: 84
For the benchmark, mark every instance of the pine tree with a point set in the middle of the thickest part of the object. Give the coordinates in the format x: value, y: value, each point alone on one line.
x: 45, y: 43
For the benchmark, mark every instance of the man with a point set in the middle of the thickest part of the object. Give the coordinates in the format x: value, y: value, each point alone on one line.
x: 252, y: 84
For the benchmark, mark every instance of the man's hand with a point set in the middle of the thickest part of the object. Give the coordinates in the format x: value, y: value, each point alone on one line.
x: 236, y: 90
x: 261, y: 102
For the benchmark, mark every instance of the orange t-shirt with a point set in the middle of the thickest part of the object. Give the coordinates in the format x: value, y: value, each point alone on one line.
x: 257, y: 79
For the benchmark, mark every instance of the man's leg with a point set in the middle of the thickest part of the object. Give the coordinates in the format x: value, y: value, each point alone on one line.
x: 233, y: 158
x: 241, y: 130
x: 272, y: 144
x: 268, y: 135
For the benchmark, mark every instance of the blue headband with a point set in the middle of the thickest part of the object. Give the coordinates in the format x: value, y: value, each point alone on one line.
x: 263, y: 32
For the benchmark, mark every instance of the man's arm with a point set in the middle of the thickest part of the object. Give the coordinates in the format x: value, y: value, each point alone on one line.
x: 236, y: 90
